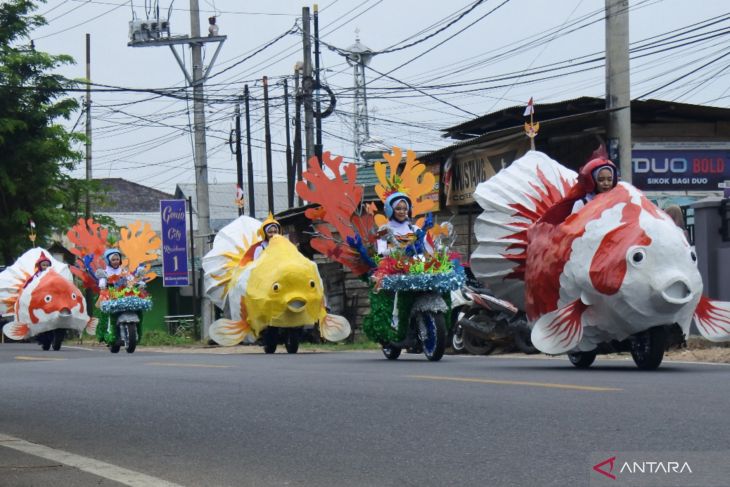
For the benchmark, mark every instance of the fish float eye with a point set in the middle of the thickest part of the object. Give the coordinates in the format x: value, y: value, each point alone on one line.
x: 48, y: 298
x: 311, y: 284
x: 637, y: 256
x: 275, y: 287
x: 73, y: 296
x: 693, y: 256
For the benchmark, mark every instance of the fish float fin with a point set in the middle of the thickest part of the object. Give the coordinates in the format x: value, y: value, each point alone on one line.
x: 560, y: 330
x: 713, y: 319
x: 16, y: 331
x: 513, y: 200
x: 91, y: 326
x: 228, y: 332
x: 334, y: 328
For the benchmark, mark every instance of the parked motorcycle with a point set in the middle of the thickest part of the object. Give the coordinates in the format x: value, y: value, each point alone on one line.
x: 485, y: 322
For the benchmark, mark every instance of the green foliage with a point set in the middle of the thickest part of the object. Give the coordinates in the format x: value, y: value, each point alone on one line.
x: 156, y: 338
x: 37, y: 152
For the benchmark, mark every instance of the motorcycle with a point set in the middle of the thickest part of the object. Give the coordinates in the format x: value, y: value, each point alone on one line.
x: 125, y: 301
x: 273, y: 336
x: 485, y: 322
x: 52, y: 338
x: 426, y: 330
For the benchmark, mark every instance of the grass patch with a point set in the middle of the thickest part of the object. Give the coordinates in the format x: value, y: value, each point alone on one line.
x: 360, y: 343
x: 157, y: 338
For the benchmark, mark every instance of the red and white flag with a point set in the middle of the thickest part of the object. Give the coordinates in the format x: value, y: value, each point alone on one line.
x: 530, y: 109
x: 32, y: 225
x: 239, y: 192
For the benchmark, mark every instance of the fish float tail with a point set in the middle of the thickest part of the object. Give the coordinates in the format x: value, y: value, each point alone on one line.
x: 513, y: 200
x: 16, y: 331
x: 91, y: 326
x: 334, y: 328
x: 713, y: 319
x: 228, y: 332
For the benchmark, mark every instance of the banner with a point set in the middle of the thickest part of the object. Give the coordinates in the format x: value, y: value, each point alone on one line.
x: 174, y: 244
x: 680, y: 166
x: 465, y: 171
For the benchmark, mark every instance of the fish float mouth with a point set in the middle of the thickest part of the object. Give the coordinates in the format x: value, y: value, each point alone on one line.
x: 677, y: 292
x: 65, y: 312
x: 296, y: 305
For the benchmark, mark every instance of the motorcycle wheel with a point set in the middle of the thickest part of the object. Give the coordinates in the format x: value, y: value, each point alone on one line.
x: 58, y: 336
x: 292, y: 340
x: 114, y: 347
x: 131, y: 344
x: 45, y: 339
x: 271, y: 339
x: 582, y: 360
x: 476, y: 345
x: 457, y: 339
x: 648, y: 349
x: 391, y: 352
x: 433, y: 334
x: 524, y: 343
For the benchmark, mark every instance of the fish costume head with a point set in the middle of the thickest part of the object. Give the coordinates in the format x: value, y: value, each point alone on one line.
x: 45, y: 301
x: 616, y: 267
x: 281, y: 288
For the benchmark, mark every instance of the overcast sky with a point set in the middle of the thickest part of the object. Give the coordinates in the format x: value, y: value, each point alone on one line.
x: 499, y: 54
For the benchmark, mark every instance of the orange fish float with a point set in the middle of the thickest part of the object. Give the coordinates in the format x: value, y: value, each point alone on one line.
x: 41, y: 300
x: 613, y: 271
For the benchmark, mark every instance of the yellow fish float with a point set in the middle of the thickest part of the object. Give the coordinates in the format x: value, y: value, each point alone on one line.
x: 281, y: 288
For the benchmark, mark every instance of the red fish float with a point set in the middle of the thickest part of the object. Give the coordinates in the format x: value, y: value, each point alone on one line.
x: 41, y: 301
x: 614, y: 269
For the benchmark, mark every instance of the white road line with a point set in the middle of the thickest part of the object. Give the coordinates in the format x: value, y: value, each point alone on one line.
x: 90, y: 465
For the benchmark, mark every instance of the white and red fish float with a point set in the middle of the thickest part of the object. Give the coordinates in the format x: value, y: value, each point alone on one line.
x: 40, y: 301
x: 617, y: 267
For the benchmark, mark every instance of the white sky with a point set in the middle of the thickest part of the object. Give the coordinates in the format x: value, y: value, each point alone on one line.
x: 149, y: 141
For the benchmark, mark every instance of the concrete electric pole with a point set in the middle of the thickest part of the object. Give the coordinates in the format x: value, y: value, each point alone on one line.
x: 156, y: 32
x: 307, y: 86
x: 618, y: 85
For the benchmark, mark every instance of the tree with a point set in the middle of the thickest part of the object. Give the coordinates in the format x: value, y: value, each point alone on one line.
x: 36, y: 152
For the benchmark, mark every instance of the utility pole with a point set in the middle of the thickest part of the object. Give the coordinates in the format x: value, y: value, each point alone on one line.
x: 267, y: 140
x: 618, y: 88
x: 87, y: 102
x: 156, y: 32
x: 318, y: 142
x: 289, y: 167
x: 249, y: 159
x: 297, y: 163
x: 239, y: 156
x: 201, y: 154
x: 359, y: 56
x: 307, y: 85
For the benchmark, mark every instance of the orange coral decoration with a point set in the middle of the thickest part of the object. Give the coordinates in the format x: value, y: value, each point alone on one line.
x: 340, y: 207
x: 139, y: 245
x: 412, y: 180
x: 89, y: 238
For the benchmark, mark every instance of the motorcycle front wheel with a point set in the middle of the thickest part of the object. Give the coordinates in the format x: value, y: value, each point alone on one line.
x: 58, y: 335
x: 131, y: 344
x: 432, y: 333
x: 292, y: 340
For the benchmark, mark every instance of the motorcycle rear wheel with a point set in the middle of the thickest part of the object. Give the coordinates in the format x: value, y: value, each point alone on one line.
x: 271, y: 339
x: 391, y: 352
x: 292, y: 340
x: 582, y: 360
x: 476, y: 345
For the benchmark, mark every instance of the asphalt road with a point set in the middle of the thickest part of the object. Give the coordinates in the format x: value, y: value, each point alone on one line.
x: 85, y: 417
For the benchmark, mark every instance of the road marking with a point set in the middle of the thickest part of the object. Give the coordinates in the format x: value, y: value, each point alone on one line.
x: 25, y: 357
x: 86, y: 464
x: 518, y: 383
x: 172, y: 364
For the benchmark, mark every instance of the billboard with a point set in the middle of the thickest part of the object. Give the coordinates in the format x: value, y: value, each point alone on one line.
x: 174, y: 244
x: 680, y: 166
